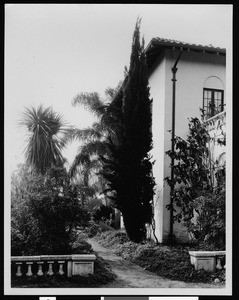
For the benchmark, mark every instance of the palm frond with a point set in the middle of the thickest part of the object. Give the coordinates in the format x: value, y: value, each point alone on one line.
x: 96, y: 148
x: 80, y: 159
x: 84, y: 164
x: 91, y: 102
x: 86, y: 134
x: 99, y: 127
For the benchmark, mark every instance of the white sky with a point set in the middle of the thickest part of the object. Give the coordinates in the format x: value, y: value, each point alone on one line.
x: 54, y: 51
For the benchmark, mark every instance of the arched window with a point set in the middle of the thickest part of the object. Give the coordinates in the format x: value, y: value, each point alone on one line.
x: 213, y: 96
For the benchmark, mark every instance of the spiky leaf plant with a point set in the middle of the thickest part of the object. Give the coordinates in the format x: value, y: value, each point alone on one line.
x: 44, y: 143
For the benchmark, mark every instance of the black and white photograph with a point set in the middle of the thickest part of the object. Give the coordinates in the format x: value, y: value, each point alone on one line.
x: 118, y: 149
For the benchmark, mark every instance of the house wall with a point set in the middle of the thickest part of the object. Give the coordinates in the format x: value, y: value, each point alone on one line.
x: 157, y: 91
x: 195, y: 71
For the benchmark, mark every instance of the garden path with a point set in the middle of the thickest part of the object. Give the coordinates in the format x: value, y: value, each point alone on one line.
x: 130, y: 275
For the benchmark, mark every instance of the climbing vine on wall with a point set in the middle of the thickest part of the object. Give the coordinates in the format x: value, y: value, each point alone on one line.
x: 199, y: 201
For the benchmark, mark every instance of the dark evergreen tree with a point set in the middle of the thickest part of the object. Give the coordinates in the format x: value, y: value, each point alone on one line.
x: 128, y: 170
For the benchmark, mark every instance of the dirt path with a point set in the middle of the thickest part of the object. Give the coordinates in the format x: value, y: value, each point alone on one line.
x: 130, y: 275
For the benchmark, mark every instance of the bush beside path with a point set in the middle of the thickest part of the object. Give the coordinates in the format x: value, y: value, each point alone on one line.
x: 130, y: 275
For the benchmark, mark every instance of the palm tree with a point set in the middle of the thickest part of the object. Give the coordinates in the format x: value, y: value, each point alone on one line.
x: 44, y: 144
x: 93, y: 139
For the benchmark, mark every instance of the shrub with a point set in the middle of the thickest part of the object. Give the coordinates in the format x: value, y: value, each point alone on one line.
x: 45, y: 213
x: 97, y: 228
x: 200, y: 200
x: 208, y: 226
x: 167, y: 261
x: 103, y: 213
x: 81, y: 247
x: 114, y: 237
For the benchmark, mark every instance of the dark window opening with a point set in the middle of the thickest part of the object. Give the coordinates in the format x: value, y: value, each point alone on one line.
x: 212, y: 102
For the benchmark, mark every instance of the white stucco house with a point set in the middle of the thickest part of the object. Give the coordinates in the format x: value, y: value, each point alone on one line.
x: 192, y: 77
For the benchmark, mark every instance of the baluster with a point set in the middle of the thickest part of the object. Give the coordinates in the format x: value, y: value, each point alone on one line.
x: 219, y: 266
x: 29, y: 269
x: 19, y: 267
x: 40, y: 273
x: 50, y: 271
x: 61, y: 272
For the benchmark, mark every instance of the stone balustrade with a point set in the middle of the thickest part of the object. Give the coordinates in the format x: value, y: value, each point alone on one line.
x: 217, y: 122
x: 68, y: 265
x: 208, y: 260
x: 216, y: 127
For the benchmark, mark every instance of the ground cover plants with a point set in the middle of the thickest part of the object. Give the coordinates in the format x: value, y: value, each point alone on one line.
x: 172, y: 262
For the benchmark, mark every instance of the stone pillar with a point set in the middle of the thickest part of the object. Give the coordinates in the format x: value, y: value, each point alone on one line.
x: 19, y: 267
x: 69, y: 268
x: 50, y: 271
x: 29, y: 269
x: 40, y: 273
x: 61, y: 272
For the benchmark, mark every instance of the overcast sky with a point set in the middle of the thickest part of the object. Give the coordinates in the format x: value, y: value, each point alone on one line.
x: 54, y: 51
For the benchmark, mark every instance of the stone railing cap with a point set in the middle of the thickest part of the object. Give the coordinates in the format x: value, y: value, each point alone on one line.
x: 54, y: 257
x: 207, y: 253
x: 83, y: 257
x: 25, y: 258
x: 217, y: 116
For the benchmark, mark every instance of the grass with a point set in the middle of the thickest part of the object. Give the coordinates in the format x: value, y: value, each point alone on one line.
x: 172, y: 262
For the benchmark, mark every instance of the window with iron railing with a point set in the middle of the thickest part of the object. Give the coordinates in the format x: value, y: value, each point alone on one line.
x: 213, y: 102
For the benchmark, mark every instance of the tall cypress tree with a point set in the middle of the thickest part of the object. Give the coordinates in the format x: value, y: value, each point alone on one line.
x: 129, y: 170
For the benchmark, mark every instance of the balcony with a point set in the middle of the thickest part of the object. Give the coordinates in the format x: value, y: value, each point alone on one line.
x: 216, y: 123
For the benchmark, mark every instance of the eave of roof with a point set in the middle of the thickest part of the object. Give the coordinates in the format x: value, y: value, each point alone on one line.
x: 157, y: 45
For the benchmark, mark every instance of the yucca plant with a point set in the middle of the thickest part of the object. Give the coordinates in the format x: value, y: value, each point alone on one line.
x: 44, y: 143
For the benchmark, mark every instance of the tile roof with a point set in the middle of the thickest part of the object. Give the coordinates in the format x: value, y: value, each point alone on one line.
x: 173, y: 43
x: 157, y: 45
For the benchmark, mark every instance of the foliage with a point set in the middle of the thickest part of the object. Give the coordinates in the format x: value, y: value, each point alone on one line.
x: 81, y: 247
x: 122, y: 138
x: 25, y: 234
x: 95, y: 228
x: 102, y: 213
x: 128, y: 170
x: 114, y: 237
x: 45, y: 212
x: 170, y: 262
x: 208, y: 226
x: 44, y: 144
x: 201, y: 204
x: 85, y: 169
